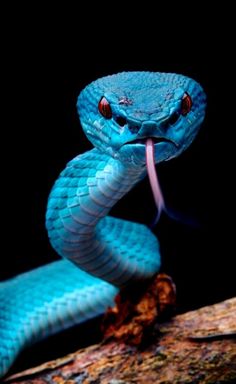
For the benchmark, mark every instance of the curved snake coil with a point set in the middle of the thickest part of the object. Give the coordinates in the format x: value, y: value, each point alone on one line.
x: 129, y: 117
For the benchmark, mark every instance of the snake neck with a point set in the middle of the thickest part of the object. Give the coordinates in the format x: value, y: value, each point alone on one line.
x: 77, y: 222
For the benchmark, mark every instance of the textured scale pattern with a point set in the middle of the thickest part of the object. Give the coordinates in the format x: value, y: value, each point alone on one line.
x: 100, y: 253
x: 42, y: 302
x: 80, y: 230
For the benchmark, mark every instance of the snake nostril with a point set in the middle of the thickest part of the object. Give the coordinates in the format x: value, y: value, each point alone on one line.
x: 134, y: 128
x: 121, y: 120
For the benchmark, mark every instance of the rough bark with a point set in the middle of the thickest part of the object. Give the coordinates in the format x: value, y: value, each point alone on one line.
x: 195, y: 347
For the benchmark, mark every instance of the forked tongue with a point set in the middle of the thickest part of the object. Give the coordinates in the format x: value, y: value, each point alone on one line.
x: 153, y: 179
x: 157, y: 193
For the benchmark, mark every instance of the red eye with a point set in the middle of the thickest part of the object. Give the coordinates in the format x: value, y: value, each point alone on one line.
x: 186, y: 104
x: 105, y: 108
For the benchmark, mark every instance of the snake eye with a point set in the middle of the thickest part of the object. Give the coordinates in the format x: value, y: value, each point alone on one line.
x: 105, y: 108
x: 186, y: 104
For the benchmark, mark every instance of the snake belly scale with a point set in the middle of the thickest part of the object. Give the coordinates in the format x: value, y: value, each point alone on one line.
x: 100, y: 254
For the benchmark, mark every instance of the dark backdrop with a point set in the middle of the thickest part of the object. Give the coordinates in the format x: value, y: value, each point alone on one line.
x: 47, y: 65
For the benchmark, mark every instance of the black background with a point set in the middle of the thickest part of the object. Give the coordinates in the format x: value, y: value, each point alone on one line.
x: 48, y: 60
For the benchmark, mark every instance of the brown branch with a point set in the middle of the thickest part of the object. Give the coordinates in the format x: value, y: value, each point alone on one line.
x: 195, y: 347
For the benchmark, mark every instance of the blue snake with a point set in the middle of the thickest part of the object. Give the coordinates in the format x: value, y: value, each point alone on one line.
x: 134, y: 120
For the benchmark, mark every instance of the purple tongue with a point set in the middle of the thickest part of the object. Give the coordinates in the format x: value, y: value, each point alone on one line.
x: 153, y: 179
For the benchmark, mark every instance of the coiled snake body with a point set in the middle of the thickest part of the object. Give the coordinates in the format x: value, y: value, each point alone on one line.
x: 122, y: 115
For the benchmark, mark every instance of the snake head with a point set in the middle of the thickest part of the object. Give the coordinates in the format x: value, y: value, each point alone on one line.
x: 120, y: 112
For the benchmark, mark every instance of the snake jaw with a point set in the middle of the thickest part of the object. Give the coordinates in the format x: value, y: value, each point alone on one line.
x: 156, y: 140
x: 133, y: 152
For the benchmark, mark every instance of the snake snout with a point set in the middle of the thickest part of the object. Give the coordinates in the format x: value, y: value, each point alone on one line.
x: 143, y: 128
x: 150, y: 128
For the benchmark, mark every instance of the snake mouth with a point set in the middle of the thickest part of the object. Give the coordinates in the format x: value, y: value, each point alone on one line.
x: 156, y: 140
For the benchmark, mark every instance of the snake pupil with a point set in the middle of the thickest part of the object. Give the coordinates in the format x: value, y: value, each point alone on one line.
x: 105, y: 108
x: 186, y: 104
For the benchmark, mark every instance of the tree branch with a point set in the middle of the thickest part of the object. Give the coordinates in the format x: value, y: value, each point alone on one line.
x: 195, y: 347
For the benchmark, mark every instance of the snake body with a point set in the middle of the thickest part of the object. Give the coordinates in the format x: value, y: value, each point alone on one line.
x: 119, y: 114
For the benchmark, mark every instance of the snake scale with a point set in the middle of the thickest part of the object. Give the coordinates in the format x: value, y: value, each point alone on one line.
x: 130, y: 118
